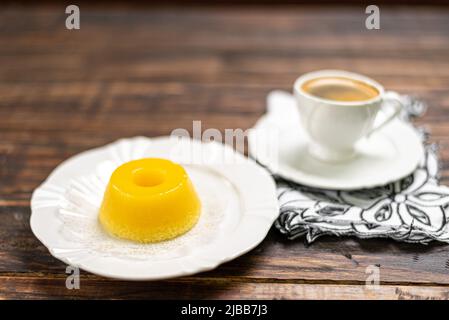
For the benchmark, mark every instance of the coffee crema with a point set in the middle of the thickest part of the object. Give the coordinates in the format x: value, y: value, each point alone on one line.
x: 340, y: 89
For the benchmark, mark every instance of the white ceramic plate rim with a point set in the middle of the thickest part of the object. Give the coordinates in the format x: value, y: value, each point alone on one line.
x: 258, y: 214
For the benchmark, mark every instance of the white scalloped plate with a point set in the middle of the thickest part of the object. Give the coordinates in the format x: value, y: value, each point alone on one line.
x: 238, y: 197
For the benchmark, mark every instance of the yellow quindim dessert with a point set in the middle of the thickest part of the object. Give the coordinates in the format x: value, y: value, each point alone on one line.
x: 149, y: 200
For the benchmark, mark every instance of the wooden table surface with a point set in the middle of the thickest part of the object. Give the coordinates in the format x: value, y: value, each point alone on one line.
x: 146, y: 71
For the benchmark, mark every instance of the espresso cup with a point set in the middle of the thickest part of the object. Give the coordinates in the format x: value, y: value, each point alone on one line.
x: 334, y: 126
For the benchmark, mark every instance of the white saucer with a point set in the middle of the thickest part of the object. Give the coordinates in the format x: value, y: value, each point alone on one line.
x: 238, y: 197
x: 277, y: 142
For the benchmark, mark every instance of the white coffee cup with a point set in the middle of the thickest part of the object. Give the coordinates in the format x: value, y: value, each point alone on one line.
x: 334, y: 127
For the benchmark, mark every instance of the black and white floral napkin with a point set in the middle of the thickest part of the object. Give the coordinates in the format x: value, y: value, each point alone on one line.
x: 414, y: 209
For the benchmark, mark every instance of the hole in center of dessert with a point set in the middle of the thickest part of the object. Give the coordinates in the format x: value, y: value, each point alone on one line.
x: 148, y: 177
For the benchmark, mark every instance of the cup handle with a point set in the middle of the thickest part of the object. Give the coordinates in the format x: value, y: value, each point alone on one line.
x: 396, y: 104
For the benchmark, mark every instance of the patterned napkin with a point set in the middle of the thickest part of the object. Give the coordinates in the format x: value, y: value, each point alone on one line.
x: 414, y: 209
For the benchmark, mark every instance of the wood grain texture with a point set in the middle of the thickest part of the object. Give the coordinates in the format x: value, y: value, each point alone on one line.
x: 39, y: 287
x: 147, y: 72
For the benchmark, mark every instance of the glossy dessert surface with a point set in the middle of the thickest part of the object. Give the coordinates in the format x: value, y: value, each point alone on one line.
x: 149, y: 200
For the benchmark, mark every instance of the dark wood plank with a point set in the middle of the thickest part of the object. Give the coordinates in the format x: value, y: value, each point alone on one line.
x: 38, y: 287
x: 147, y: 72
